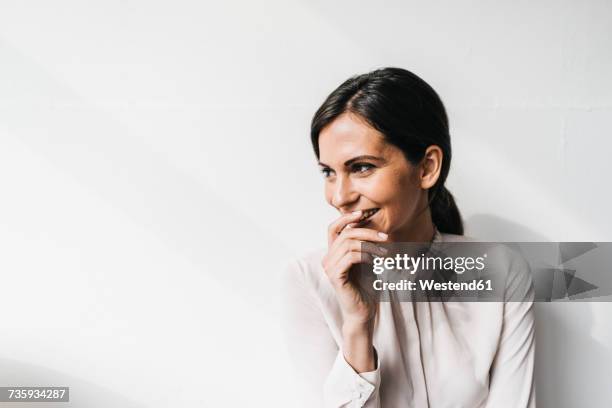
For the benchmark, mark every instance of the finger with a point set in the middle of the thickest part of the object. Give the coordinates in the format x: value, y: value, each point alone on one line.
x: 362, y: 234
x: 340, y: 245
x: 340, y: 271
x: 370, y: 248
x: 338, y: 225
x: 365, y: 247
x: 350, y: 225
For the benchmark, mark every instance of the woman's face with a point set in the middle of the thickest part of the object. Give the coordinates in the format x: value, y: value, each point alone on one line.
x: 364, y: 172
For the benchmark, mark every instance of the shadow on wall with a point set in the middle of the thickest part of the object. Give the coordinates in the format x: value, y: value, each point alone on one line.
x: 83, y: 394
x: 571, y: 367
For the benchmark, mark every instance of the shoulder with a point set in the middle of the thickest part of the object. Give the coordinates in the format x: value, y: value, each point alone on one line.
x: 505, y: 261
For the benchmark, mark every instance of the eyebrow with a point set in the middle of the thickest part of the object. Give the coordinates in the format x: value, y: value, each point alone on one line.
x: 358, y: 158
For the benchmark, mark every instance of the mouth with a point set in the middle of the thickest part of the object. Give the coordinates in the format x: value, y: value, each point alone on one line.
x: 367, y: 214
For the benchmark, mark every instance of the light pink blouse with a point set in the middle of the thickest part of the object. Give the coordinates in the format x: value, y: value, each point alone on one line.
x: 438, y: 355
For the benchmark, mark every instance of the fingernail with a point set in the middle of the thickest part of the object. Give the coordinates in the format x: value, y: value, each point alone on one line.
x: 382, y: 235
x: 383, y: 250
x: 356, y: 212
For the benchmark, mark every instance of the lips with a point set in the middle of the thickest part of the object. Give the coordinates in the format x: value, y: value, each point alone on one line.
x: 367, y: 214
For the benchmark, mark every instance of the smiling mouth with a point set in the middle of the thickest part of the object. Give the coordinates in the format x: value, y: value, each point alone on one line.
x: 367, y: 214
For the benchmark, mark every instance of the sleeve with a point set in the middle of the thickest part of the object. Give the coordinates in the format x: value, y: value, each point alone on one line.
x: 511, y: 380
x: 323, y: 376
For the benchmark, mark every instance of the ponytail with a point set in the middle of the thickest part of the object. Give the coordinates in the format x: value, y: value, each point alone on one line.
x: 444, y: 212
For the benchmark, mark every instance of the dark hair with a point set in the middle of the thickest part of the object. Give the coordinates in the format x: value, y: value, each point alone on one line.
x: 411, y: 116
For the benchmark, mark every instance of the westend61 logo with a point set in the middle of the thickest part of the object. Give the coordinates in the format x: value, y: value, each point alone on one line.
x: 405, y: 262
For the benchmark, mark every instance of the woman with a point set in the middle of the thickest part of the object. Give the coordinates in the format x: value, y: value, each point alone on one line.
x: 383, y: 145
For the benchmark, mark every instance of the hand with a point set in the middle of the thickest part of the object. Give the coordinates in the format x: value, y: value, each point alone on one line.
x: 348, y: 246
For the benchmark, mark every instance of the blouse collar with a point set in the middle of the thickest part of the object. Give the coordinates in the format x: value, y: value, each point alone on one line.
x: 437, y: 235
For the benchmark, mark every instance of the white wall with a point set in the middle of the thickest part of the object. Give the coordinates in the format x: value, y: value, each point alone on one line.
x: 156, y: 170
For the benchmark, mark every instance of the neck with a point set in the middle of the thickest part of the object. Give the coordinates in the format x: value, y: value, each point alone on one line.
x: 420, y: 230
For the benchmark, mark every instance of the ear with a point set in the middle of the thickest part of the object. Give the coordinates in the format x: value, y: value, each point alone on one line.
x: 431, y: 166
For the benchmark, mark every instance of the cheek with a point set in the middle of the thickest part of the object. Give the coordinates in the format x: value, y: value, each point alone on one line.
x: 380, y: 192
x: 328, y: 193
x: 399, y: 196
x: 391, y: 189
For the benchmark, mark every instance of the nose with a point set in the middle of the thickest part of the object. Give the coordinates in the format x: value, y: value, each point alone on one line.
x: 344, y: 193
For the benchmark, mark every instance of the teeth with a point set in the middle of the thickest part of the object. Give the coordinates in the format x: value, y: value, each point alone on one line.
x: 367, y: 214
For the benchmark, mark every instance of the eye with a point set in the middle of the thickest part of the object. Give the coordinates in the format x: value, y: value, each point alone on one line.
x: 326, y: 171
x: 362, y: 168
